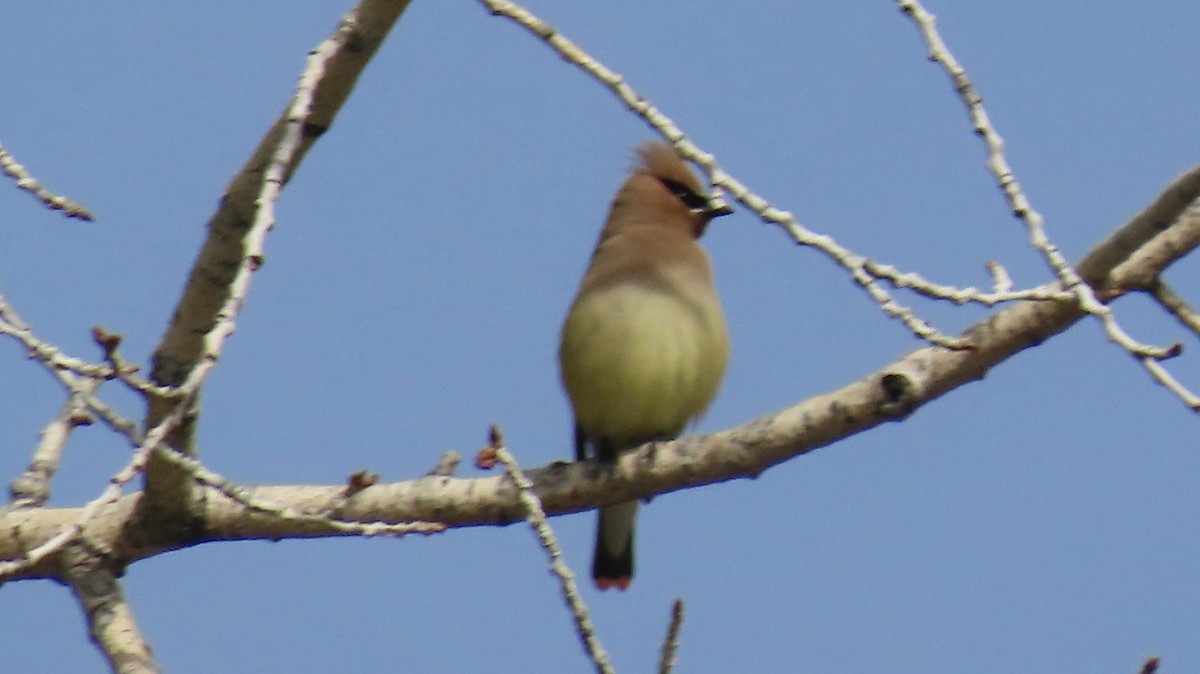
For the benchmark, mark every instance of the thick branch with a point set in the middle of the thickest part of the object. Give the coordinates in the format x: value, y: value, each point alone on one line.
x: 1144, y: 267
x: 170, y: 498
x: 110, y: 620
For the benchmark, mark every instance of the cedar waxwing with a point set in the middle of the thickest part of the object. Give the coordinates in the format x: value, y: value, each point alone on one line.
x: 644, y: 344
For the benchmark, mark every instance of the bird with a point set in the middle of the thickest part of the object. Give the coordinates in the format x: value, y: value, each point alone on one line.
x: 644, y: 345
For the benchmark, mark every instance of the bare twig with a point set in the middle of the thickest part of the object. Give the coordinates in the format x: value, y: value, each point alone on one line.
x: 996, y: 162
x: 1002, y: 293
x: 671, y: 644
x: 446, y: 465
x: 1176, y: 306
x: 68, y: 371
x: 111, y: 418
x: 1148, y: 355
x: 862, y: 270
x: 1001, y: 281
x: 247, y: 498
x: 202, y: 319
x: 214, y: 339
x: 54, y: 359
x: 110, y: 494
x: 32, y: 488
x: 537, y: 521
x: 30, y: 184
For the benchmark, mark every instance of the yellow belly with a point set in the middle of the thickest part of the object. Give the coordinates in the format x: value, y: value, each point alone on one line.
x: 641, y: 363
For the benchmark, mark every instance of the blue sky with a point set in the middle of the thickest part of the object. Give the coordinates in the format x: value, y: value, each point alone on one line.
x: 1044, y: 519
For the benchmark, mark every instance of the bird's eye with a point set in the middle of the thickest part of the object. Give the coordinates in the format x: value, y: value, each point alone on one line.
x: 693, y: 201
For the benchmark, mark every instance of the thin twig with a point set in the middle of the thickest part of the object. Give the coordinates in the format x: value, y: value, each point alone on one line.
x: 246, y: 498
x: 215, y: 338
x: 32, y: 488
x: 26, y: 182
x: 54, y: 359
x: 1003, y: 292
x: 566, y: 578
x: 1146, y: 354
x: 446, y: 465
x: 862, y: 270
x: 671, y: 643
x: 69, y: 371
x: 111, y: 493
x: 1176, y: 306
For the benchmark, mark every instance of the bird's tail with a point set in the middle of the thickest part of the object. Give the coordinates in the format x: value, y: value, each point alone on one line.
x: 612, y: 565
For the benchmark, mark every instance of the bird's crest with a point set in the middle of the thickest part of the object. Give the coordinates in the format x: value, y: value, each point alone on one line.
x: 663, y: 162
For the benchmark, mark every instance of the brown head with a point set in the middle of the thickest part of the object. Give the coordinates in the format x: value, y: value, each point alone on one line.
x: 661, y: 191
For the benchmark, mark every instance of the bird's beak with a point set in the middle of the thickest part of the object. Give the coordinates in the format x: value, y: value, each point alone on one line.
x: 718, y: 211
x: 708, y: 211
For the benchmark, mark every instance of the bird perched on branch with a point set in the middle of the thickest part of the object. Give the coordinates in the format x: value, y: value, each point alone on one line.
x: 644, y: 344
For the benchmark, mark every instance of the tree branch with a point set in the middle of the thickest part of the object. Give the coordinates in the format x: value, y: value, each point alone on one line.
x: 170, y: 498
x: 14, y: 170
x: 888, y: 394
x: 32, y: 488
x: 110, y: 619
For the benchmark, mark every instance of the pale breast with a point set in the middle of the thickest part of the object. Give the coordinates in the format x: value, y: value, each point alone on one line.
x: 643, y: 359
